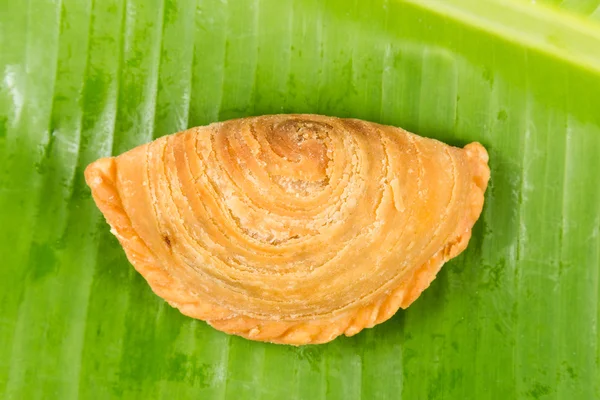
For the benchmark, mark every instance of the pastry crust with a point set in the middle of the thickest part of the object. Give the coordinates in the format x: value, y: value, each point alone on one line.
x: 291, y: 229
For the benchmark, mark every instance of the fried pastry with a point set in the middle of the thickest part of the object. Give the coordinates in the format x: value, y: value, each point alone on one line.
x: 291, y: 229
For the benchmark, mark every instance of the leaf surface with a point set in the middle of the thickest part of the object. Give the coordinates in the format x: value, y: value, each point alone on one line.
x: 515, y: 316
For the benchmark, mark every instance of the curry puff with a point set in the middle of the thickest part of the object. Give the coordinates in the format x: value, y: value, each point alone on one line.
x: 291, y: 229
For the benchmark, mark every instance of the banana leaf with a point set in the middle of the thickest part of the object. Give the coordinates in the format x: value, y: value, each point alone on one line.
x: 514, y: 317
x: 590, y: 8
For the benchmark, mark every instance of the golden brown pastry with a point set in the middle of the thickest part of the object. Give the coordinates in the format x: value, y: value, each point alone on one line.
x: 291, y: 228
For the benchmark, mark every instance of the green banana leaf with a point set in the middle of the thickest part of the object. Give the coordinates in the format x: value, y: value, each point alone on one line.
x: 590, y: 8
x: 515, y: 317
